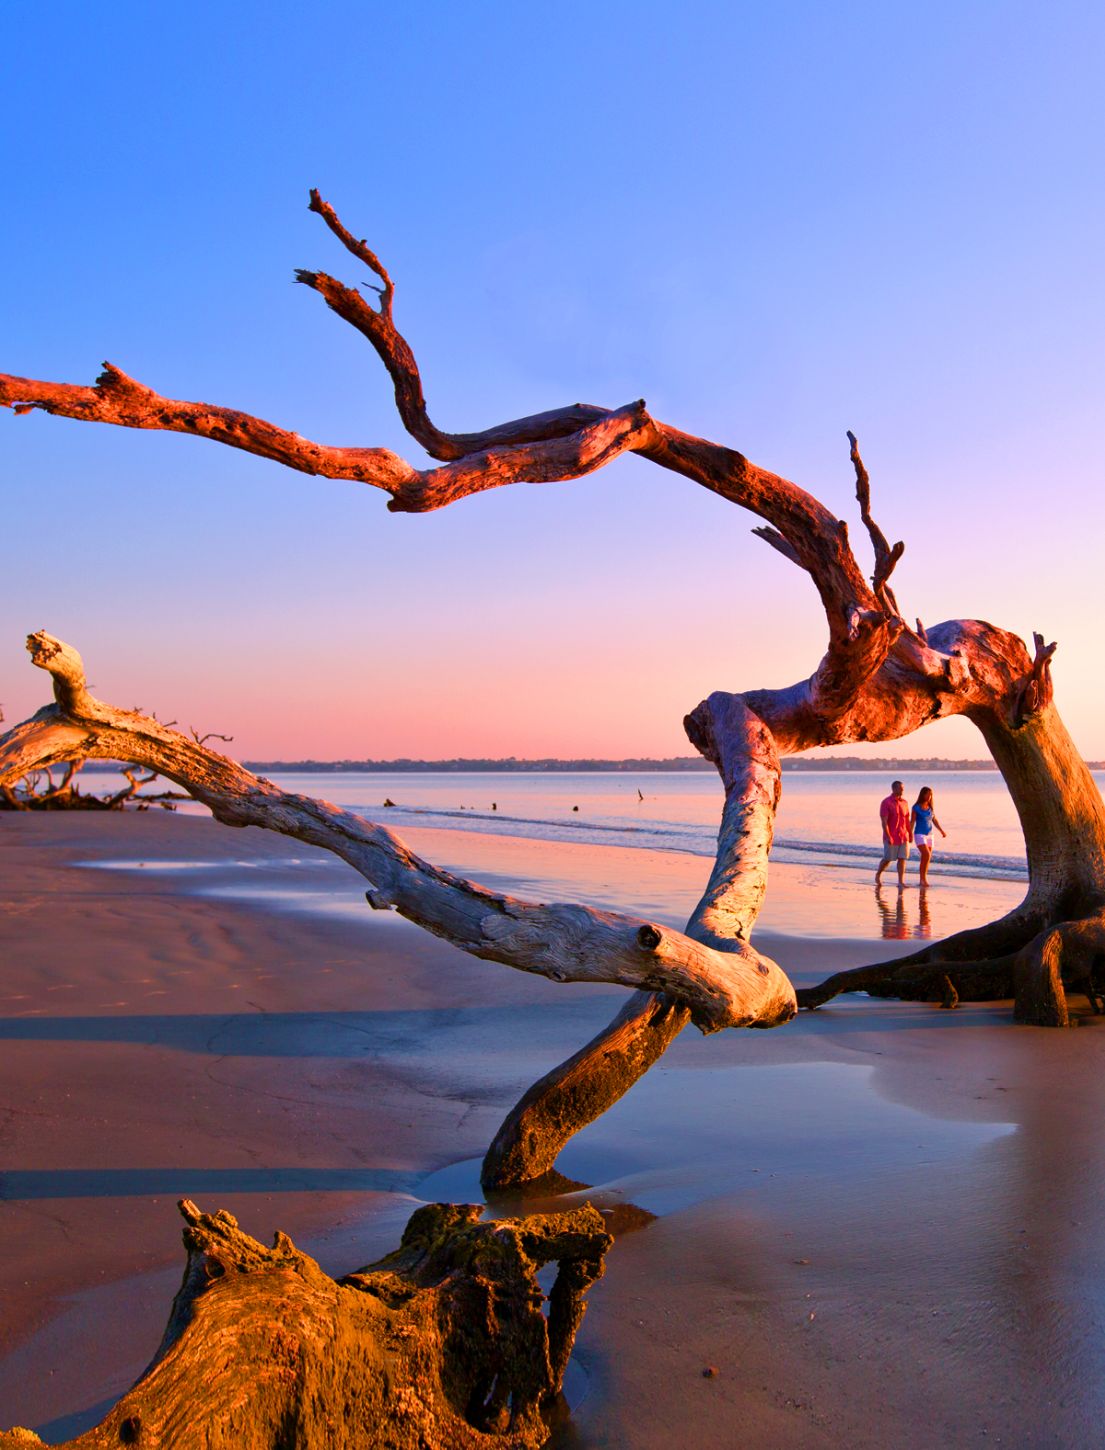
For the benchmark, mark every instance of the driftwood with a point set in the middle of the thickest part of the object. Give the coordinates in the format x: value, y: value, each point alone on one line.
x: 734, y: 988
x: 880, y: 679
x: 443, y: 1345
x: 39, y: 791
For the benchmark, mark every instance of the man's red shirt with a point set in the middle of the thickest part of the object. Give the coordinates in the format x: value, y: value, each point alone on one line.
x: 895, y: 820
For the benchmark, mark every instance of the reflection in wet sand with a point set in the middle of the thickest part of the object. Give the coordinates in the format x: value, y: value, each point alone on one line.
x: 898, y: 923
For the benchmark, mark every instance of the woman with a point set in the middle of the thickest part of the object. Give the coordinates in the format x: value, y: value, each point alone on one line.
x: 922, y: 818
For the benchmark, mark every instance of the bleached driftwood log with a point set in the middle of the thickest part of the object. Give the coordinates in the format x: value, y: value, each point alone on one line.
x: 442, y: 1345
x: 568, y: 943
x: 880, y: 679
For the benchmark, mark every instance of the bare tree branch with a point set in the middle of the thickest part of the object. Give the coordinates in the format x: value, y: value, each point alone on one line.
x: 211, y: 735
x: 736, y: 987
x: 120, y: 400
x: 359, y: 249
x: 886, y: 557
x: 395, y: 353
x: 546, y: 447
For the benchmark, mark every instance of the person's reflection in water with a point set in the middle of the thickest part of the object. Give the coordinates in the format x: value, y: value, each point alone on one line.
x: 924, y: 915
x: 896, y: 925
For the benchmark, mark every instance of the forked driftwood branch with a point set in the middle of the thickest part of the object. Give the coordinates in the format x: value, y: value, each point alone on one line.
x: 879, y: 680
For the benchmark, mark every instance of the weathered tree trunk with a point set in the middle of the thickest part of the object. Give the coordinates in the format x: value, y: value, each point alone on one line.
x: 442, y: 1345
x: 880, y: 679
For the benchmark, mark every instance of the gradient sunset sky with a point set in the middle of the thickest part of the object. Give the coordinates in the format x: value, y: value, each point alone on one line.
x: 773, y: 222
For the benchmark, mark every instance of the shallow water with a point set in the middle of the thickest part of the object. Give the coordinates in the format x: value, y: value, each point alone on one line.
x: 669, y: 1144
x: 825, y: 818
x: 814, y: 899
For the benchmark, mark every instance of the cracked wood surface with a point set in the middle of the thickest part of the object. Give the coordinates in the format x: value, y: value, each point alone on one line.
x: 442, y: 1345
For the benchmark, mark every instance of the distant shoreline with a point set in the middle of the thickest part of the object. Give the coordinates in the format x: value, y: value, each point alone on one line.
x: 675, y: 765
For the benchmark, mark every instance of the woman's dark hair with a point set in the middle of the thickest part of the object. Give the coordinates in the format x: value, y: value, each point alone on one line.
x: 925, y: 804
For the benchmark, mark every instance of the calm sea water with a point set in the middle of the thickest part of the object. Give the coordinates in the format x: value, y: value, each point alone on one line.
x: 826, y: 818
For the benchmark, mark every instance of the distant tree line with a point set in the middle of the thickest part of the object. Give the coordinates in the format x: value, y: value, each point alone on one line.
x: 674, y: 765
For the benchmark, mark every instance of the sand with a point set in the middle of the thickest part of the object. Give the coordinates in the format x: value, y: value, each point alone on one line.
x: 881, y: 1225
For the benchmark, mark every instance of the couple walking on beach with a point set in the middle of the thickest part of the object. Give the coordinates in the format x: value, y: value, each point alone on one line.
x: 902, y: 826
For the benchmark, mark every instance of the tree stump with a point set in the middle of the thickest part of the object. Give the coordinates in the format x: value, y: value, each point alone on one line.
x: 442, y: 1345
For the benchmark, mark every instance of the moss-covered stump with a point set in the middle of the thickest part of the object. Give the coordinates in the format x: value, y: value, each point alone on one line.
x: 444, y: 1343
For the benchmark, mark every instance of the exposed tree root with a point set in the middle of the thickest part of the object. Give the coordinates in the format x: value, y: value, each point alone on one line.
x: 1069, y: 956
x: 442, y: 1345
x: 1038, y: 972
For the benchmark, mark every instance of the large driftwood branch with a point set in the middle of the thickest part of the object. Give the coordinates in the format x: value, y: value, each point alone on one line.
x: 119, y: 399
x: 546, y: 447
x: 741, y: 746
x: 442, y: 1345
x: 538, y: 448
x: 736, y: 987
x: 878, y: 680
x: 594, y: 1078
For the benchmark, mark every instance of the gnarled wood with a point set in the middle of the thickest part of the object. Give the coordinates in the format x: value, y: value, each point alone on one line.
x: 440, y: 1346
x: 879, y: 679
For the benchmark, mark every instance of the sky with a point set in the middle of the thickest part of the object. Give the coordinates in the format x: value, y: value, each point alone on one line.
x: 772, y: 222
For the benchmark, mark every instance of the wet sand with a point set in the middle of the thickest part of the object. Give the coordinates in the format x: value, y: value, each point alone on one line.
x: 881, y: 1225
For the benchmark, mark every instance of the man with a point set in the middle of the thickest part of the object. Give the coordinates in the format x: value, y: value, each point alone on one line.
x: 896, y: 834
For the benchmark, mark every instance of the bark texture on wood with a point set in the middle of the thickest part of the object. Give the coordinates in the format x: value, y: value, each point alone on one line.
x: 442, y: 1345
x: 580, y: 1090
x: 736, y: 988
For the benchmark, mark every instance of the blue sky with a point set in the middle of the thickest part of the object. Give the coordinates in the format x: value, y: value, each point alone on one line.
x: 772, y: 222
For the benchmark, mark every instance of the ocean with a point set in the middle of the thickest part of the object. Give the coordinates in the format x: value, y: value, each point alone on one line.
x: 827, y: 819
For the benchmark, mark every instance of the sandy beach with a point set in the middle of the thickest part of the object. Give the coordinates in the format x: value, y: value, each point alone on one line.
x: 881, y: 1225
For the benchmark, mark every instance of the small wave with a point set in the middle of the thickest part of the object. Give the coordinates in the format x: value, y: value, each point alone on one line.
x: 1002, y: 868
x: 651, y: 829
x: 688, y: 837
